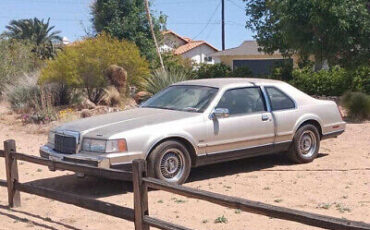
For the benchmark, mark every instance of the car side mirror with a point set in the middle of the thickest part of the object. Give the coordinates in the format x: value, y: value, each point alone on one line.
x: 219, y: 113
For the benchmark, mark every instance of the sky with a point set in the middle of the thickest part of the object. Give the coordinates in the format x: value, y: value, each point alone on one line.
x: 197, y: 19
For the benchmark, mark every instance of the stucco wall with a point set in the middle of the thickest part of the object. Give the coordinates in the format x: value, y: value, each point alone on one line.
x: 199, y: 53
x: 171, y: 42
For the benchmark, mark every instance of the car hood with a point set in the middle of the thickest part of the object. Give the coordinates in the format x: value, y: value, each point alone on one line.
x: 103, y: 126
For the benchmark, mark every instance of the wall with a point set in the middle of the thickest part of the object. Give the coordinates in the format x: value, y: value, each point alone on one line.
x: 199, y: 53
x: 228, y: 60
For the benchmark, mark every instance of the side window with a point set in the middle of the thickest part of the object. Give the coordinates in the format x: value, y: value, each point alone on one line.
x: 278, y: 99
x: 243, y: 101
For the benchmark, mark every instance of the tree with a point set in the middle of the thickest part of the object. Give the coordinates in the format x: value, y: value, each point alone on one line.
x: 336, y: 31
x: 85, y: 65
x: 127, y: 20
x: 38, y: 33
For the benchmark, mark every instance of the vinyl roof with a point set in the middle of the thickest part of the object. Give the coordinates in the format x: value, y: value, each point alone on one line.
x: 223, y: 82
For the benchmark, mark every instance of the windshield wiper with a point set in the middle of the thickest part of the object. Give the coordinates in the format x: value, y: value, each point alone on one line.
x: 158, y: 107
x: 191, y: 109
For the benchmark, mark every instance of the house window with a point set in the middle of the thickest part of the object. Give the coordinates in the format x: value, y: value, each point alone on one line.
x: 207, y: 59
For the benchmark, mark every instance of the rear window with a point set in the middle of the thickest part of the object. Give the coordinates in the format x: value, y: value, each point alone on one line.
x: 279, y: 100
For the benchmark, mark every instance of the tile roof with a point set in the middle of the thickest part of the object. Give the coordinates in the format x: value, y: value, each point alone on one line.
x: 175, y: 34
x: 246, y: 48
x: 190, y: 44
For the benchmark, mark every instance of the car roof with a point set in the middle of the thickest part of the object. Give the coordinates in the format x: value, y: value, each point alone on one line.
x: 225, y: 82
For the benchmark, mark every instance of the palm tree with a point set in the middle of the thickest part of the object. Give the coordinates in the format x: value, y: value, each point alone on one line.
x: 38, y: 33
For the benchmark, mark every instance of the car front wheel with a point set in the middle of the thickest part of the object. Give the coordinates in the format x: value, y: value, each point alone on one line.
x: 306, y: 144
x: 170, y: 161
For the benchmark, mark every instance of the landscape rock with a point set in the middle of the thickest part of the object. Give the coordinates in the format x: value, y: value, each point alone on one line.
x: 87, y: 104
x: 141, y: 96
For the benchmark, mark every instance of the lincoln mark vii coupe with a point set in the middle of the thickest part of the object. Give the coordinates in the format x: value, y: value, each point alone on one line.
x: 201, y: 122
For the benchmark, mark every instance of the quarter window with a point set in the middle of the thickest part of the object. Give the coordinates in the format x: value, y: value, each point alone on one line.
x: 279, y: 100
x: 242, y: 101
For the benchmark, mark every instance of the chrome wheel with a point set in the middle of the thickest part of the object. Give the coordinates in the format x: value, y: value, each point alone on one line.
x: 172, y: 165
x: 307, y: 144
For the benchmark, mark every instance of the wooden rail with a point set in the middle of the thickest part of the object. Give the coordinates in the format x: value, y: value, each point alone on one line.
x: 311, y: 219
x: 75, y: 167
x: 14, y: 187
x: 141, y: 183
x: 77, y: 200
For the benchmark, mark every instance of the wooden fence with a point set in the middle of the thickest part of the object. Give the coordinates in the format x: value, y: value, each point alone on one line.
x: 141, y: 183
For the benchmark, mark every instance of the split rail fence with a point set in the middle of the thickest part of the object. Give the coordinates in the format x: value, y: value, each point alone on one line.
x: 141, y: 183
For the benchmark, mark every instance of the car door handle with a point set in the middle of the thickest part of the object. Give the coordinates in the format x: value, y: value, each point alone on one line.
x: 265, y: 117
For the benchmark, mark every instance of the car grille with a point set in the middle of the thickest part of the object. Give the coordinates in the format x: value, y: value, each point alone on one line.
x: 65, y: 144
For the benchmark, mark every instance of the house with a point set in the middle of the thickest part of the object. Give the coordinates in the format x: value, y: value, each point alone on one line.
x: 248, y: 54
x: 198, y: 51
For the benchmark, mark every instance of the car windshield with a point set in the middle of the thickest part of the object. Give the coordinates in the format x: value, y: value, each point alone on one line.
x: 189, y: 98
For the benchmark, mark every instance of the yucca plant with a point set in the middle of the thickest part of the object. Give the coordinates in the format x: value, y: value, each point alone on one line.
x: 160, y: 79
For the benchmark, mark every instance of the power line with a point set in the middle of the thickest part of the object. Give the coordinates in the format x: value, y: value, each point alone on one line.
x: 184, y: 2
x: 209, y: 21
x: 235, y: 4
x: 83, y: 2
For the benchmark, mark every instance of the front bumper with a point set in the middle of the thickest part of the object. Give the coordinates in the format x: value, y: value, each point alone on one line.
x: 114, y: 160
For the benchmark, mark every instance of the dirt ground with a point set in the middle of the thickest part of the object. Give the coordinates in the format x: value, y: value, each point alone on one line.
x: 335, y: 184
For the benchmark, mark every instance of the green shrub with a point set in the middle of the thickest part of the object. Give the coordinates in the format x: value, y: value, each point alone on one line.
x: 218, y: 70
x: 361, y: 79
x: 333, y: 82
x: 174, y: 62
x: 242, y: 71
x: 84, y: 64
x: 162, y: 79
x: 282, y: 71
x: 357, y: 105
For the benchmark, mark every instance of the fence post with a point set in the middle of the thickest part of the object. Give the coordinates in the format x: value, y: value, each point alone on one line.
x: 140, y: 194
x: 11, y: 168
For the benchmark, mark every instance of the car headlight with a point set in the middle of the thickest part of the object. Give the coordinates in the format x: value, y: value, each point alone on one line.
x: 51, y: 138
x: 104, y: 146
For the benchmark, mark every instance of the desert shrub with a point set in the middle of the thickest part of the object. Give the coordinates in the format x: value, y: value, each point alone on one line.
x: 218, y: 70
x: 333, y: 82
x: 84, y: 64
x: 111, y: 97
x: 16, y: 59
x: 242, y: 71
x: 357, y: 105
x: 63, y: 94
x: 34, y: 102
x: 24, y: 98
x: 361, y: 79
x: 162, y: 79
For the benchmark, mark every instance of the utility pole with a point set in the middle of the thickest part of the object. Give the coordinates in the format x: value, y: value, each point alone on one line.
x: 153, y: 34
x: 223, y: 23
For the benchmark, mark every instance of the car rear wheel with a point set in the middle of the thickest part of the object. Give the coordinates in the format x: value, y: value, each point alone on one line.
x: 306, y: 144
x: 170, y: 161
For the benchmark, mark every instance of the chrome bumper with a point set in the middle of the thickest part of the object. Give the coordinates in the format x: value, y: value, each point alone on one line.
x: 114, y: 160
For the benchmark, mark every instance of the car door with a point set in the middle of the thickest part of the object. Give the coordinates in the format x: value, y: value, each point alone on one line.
x: 285, y: 114
x: 248, y: 126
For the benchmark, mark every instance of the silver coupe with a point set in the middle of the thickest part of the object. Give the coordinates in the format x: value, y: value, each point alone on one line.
x: 199, y: 122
